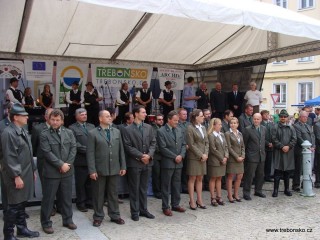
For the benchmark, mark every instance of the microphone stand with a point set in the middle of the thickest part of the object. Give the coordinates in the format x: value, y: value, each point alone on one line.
x: 106, y: 83
x: 104, y: 103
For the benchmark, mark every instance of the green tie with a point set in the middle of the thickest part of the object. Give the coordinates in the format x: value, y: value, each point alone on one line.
x: 174, y: 133
x: 108, y: 134
x: 85, y: 128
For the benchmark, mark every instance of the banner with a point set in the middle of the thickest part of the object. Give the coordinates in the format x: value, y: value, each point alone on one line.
x: 114, y: 75
x: 38, y: 70
x: 67, y: 73
x: 9, y: 69
x: 176, y: 77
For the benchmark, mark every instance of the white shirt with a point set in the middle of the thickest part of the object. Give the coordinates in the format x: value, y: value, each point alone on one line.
x: 82, y: 93
x: 253, y: 97
x: 146, y: 90
x: 200, y: 129
x: 161, y: 94
x: 119, y: 95
x: 218, y: 134
x: 75, y: 92
x: 10, y: 96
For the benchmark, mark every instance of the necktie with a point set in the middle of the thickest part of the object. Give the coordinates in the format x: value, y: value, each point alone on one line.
x: 174, y: 133
x: 85, y: 128
x: 24, y: 135
x: 235, y: 94
x: 58, y: 132
x: 250, y: 120
x: 141, y: 129
x: 108, y: 134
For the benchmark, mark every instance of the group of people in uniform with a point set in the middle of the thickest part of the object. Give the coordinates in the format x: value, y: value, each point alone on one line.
x: 178, y: 154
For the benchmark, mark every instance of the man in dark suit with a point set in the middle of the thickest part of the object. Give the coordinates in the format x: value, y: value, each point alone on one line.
x: 139, y: 143
x: 156, y: 168
x: 245, y: 118
x: 304, y: 132
x: 172, y: 147
x: 183, y: 124
x: 202, y: 92
x: 269, y: 148
x: 227, y: 115
x: 218, y: 101
x: 80, y: 130
x: 59, y: 147
x: 235, y: 100
x: 254, y: 141
x: 106, y: 161
x: 17, y: 173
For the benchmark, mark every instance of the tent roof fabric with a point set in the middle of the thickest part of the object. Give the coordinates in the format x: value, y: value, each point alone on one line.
x: 194, y: 33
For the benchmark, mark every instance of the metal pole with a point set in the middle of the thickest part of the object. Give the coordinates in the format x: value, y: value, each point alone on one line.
x: 307, y: 170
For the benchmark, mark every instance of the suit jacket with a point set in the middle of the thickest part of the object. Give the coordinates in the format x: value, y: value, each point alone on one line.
x: 244, y: 122
x: 255, y: 144
x: 170, y: 147
x: 225, y: 126
x: 203, y: 102
x: 136, y: 145
x: 105, y: 157
x: 35, y: 139
x: 217, y: 150
x: 236, y: 101
x: 218, y: 101
x: 57, y: 151
x: 236, y: 149
x: 81, y: 136
x: 17, y: 161
x: 304, y: 132
x: 269, y: 127
x: 197, y: 144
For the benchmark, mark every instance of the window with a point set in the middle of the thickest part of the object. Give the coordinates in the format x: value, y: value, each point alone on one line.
x: 281, y: 88
x: 280, y: 62
x: 305, y: 91
x: 281, y: 3
x: 303, y: 4
x: 306, y: 59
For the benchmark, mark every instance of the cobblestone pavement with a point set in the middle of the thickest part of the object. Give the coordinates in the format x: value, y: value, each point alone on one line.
x: 245, y: 220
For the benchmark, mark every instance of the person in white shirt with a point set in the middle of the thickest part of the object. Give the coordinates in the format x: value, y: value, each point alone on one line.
x: 74, y: 98
x: 123, y: 102
x: 13, y: 94
x: 254, y: 97
x: 167, y: 99
x: 144, y: 97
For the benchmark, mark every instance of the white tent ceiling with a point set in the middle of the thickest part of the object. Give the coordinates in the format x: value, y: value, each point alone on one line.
x: 187, y: 34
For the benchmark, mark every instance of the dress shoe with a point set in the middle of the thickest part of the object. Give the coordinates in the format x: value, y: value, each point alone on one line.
x: 219, y: 201
x: 119, y: 221
x: 25, y: 232
x: 259, y: 194
x: 178, y: 209
x: 237, y: 199
x: 192, y: 208
x: 82, y: 209
x: 167, y: 212
x: 135, y: 218
x: 48, y: 230
x: 96, y: 223
x: 214, y: 202
x: 201, y: 206
x: 246, y: 197
x: 231, y: 200
x: 147, y: 215
x: 89, y: 206
x: 71, y: 226
x: 287, y: 193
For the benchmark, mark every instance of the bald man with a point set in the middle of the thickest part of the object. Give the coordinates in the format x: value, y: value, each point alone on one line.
x: 254, y: 138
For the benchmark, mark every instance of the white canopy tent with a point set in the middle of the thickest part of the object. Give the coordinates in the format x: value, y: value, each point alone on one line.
x: 193, y: 34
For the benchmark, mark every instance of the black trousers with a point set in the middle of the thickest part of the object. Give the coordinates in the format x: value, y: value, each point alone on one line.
x: 50, y: 188
x: 138, y: 185
x: 93, y: 115
x: 253, y: 170
x: 171, y: 182
x: 156, y: 176
x: 268, y: 164
x: 83, y: 186
x: 297, y: 168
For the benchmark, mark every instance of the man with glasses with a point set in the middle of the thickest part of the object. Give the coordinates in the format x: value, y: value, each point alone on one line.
x: 156, y: 169
x: 304, y: 132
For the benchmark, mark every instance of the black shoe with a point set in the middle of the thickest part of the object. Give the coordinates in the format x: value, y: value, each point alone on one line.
x: 147, y: 215
x: 201, y: 206
x: 246, y: 197
x: 287, y: 193
x: 317, y: 185
x: 82, y: 208
x: 268, y: 179
x: 259, y: 194
x: 23, y: 231
x: 135, y: 218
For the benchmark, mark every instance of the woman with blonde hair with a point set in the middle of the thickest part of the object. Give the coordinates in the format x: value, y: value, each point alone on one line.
x: 197, y: 141
x: 235, y: 163
x: 217, y: 160
x: 46, y: 97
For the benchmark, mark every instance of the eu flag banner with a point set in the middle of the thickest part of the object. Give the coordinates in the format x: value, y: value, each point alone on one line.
x: 38, y: 70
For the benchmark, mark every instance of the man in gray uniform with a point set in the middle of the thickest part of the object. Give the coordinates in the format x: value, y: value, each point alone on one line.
x: 59, y: 147
x: 245, y: 118
x: 172, y: 147
x: 254, y: 138
x: 18, y: 173
x: 80, y: 130
x: 106, y: 161
x: 139, y: 143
